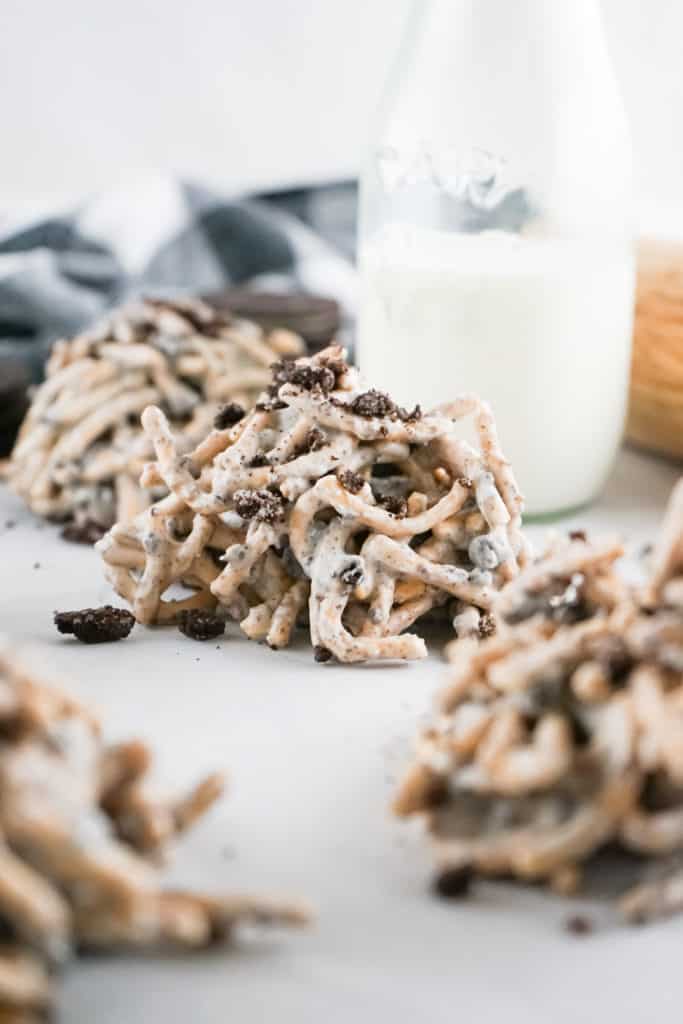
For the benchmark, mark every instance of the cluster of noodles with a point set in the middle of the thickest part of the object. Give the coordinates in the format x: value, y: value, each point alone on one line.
x: 564, y: 732
x: 328, y: 503
x: 79, y: 838
x: 80, y: 449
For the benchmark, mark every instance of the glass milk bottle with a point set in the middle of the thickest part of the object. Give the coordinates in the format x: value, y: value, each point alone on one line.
x: 496, y: 249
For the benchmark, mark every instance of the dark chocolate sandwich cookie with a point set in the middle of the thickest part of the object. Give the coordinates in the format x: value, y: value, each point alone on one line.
x: 315, y: 318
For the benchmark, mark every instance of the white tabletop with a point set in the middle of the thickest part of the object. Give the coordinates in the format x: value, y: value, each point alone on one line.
x: 313, y: 753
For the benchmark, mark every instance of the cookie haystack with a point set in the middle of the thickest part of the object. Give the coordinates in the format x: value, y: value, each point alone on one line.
x: 564, y: 732
x: 80, y: 449
x: 80, y: 840
x: 328, y: 503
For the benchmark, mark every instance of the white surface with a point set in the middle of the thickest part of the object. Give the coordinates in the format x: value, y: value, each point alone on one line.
x: 313, y: 753
x: 249, y: 94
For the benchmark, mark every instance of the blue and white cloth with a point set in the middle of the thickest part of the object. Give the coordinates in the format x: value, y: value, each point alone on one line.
x: 156, y: 235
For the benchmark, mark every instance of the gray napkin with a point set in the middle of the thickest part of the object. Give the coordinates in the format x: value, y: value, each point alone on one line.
x: 153, y: 235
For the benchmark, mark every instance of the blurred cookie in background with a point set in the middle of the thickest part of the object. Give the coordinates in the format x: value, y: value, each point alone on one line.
x: 315, y: 318
x: 14, y: 399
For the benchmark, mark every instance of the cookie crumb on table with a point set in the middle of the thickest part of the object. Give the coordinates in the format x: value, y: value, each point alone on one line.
x: 579, y: 924
x: 88, y: 531
x: 453, y: 883
x: 198, y: 624
x: 96, y: 625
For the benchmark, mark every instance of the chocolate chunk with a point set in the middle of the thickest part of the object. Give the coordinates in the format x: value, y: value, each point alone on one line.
x: 322, y: 654
x: 352, y: 573
x: 579, y: 924
x: 487, y: 625
x: 87, y: 531
x: 453, y: 883
x: 96, y: 625
x: 350, y: 481
x: 228, y: 415
x: 259, y: 461
x: 578, y: 535
x: 376, y: 403
x: 199, y: 624
x: 395, y: 505
x: 265, y: 506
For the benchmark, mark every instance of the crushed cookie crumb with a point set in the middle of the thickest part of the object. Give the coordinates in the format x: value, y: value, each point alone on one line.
x: 394, y: 505
x: 88, y: 531
x: 579, y: 924
x: 228, y: 415
x: 198, y: 624
x: 376, y: 403
x: 96, y: 625
x: 265, y: 506
x: 453, y: 883
x: 322, y: 377
x: 259, y: 461
x: 322, y: 654
x: 350, y: 481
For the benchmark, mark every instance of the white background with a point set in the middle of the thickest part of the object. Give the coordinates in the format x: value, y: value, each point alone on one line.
x: 248, y: 93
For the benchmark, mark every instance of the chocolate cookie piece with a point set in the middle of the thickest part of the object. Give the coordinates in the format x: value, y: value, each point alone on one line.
x: 96, y: 625
x: 375, y: 403
x: 395, y: 505
x: 350, y: 481
x: 228, y: 415
x: 453, y: 883
x: 88, y: 531
x: 579, y: 924
x: 266, y: 506
x: 315, y: 318
x: 198, y: 624
x: 323, y: 377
